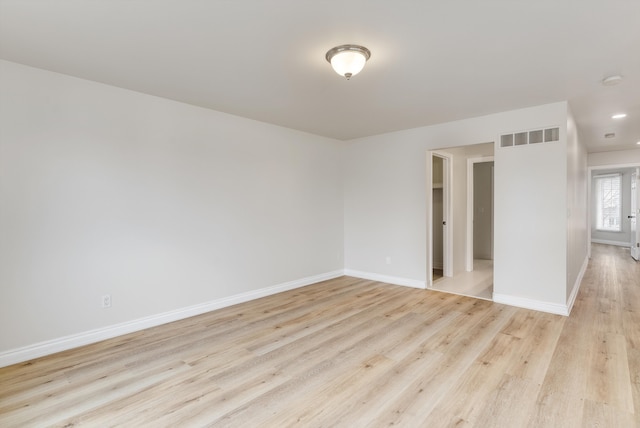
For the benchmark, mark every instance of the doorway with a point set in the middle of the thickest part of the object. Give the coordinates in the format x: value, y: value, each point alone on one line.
x: 449, y: 237
x: 613, y: 192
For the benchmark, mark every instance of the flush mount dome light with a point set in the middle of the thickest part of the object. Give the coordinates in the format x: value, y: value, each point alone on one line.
x: 348, y: 60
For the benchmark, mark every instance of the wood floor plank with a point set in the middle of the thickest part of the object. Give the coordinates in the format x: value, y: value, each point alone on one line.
x: 304, y: 409
x: 353, y: 353
x: 318, y: 367
x: 466, y: 400
x: 598, y: 415
x: 460, y: 349
x: 510, y: 404
x: 634, y: 373
x: 608, y: 380
x: 535, y: 349
x: 72, y: 400
x: 365, y: 404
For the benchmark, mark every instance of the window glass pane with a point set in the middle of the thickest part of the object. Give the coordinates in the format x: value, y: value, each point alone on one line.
x: 609, y: 209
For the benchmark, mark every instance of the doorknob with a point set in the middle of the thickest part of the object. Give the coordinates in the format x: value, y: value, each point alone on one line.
x: 631, y: 216
x: 444, y: 223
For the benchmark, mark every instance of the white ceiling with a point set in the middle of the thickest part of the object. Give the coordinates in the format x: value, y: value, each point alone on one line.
x: 432, y: 61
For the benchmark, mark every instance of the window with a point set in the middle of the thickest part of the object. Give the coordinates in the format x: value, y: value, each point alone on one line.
x: 608, y: 205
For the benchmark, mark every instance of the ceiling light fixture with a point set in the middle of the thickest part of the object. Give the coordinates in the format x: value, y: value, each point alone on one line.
x: 612, y: 80
x: 348, y: 60
x: 619, y: 116
x: 610, y: 135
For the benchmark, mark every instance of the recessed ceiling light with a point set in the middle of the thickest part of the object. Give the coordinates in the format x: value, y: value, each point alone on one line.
x: 638, y: 143
x: 619, y: 116
x: 612, y: 80
x: 609, y: 135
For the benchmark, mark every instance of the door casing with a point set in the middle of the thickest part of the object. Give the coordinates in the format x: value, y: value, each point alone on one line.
x: 634, y: 215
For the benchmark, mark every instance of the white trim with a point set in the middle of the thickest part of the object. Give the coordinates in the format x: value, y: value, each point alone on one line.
x: 447, y: 203
x: 396, y: 280
x: 429, y: 200
x: 599, y: 201
x: 536, y: 305
x: 609, y: 174
x: 48, y: 347
x: 576, y: 285
x: 607, y: 242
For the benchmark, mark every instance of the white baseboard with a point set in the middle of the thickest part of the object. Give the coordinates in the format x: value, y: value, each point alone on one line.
x: 536, y: 305
x: 407, y: 282
x: 607, y: 242
x: 576, y: 285
x: 73, y: 341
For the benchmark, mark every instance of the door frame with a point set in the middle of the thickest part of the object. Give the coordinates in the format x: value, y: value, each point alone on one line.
x: 590, y: 196
x: 447, y: 203
x: 469, y: 240
x: 635, y: 206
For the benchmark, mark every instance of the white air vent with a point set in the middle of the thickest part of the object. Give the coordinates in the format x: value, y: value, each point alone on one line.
x: 530, y: 137
x: 520, y: 139
x: 535, y: 136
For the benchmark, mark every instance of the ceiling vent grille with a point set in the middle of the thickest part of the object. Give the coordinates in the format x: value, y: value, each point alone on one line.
x: 530, y: 137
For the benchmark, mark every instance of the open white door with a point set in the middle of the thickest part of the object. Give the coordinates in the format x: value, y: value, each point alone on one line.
x: 440, y: 214
x: 633, y: 216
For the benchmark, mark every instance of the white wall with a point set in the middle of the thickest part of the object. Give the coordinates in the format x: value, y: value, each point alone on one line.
x: 530, y: 219
x: 619, y: 157
x: 577, y: 209
x: 162, y: 204
x: 386, y: 212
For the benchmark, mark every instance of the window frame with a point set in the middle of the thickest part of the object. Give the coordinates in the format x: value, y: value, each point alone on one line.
x: 599, y: 180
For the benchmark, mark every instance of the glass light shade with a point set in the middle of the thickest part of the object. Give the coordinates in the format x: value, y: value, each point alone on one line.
x: 348, y: 60
x: 348, y: 63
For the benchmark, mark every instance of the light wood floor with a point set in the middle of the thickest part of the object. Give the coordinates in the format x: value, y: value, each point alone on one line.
x: 477, y: 283
x: 353, y: 353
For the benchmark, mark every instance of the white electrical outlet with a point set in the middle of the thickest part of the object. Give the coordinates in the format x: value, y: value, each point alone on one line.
x: 106, y: 301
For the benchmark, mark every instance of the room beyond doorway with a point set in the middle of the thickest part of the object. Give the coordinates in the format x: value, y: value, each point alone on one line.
x: 470, y: 225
